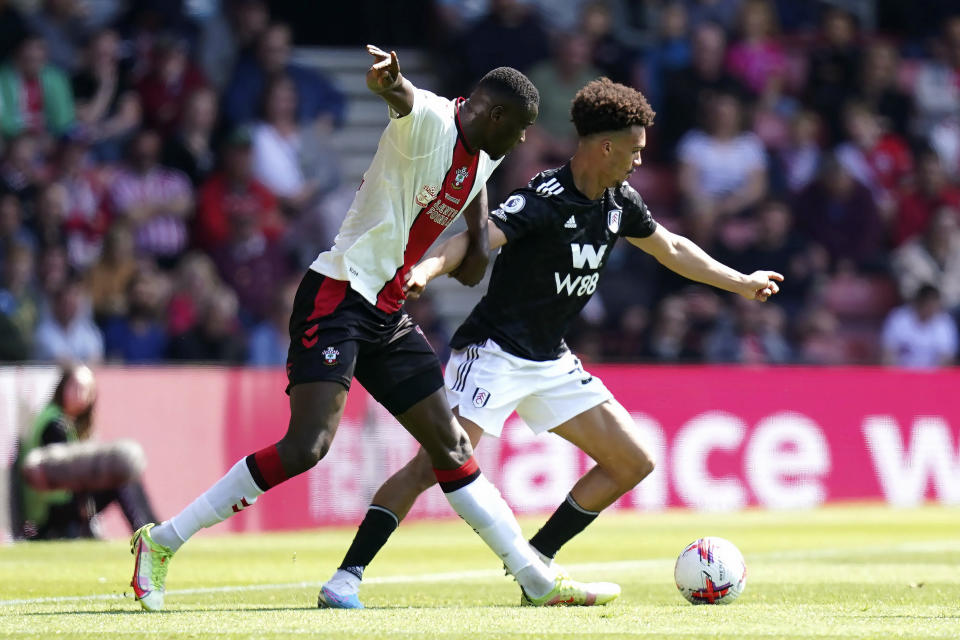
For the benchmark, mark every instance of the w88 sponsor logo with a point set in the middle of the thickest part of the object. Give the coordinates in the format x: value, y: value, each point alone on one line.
x: 579, y: 286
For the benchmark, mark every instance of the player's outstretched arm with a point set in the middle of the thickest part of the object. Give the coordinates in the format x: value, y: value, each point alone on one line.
x: 681, y: 255
x: 470, y: 271
x: 446, y: 257
x: 385, y: 80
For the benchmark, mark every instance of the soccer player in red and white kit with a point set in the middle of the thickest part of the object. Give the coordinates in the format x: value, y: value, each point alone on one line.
x: 432, y: 162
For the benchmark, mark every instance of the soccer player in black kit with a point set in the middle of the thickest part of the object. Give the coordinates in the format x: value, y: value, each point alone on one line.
x: 556, y: 235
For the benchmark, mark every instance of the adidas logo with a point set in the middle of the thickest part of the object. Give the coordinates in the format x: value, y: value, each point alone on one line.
x: 549, y: 188
x: 570, y: 224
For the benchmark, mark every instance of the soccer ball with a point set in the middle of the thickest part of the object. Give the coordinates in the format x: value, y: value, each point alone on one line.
x: 710, y: 571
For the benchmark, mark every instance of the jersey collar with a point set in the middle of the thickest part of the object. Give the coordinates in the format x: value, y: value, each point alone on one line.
x: 565, y: 178
x: 456, y: 119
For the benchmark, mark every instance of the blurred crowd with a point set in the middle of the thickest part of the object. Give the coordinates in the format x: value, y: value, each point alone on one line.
x: 817, y: 139
x: 167, y: 172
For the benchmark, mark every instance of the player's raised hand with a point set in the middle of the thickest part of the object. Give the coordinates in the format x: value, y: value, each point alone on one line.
x: 384, y: 75
x: 761, y: 285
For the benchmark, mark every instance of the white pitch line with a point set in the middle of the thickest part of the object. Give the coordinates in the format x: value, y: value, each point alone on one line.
x: 485, y: 574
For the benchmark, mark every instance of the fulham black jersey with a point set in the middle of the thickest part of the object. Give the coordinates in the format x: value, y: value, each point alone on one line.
x: 558, y: 242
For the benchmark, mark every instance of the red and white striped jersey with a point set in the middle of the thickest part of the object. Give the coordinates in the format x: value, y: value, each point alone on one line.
x: 422, y: 176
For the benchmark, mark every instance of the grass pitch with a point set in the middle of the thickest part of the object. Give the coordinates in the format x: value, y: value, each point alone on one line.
x: 839, y: 572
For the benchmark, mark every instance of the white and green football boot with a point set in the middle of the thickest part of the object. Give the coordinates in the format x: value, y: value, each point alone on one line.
x: 150, y: 568
x: 567, y: 592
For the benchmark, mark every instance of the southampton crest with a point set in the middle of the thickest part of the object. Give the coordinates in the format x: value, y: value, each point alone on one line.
x: 458, y: 177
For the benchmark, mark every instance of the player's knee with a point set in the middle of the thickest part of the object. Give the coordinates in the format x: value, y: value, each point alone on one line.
x: 299, y: 456
x: 451, y: 450
x: 639, y: 467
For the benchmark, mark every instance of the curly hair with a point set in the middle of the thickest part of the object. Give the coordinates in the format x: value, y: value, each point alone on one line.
x: 510, y: 83
x: 605, y: 105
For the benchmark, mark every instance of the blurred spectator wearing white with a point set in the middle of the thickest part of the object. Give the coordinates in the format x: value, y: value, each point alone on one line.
x: 108, y: 108
x: 723, y: 169
x: 936, y: 90
x: 933, y: 258
x: 36, y: 96
x: 920, y: 334
x: 156, y: 200
x: 66, y: 332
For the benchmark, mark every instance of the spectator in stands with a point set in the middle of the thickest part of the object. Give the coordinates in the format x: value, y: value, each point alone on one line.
x: 797, y: 162
x: 936, y: 91
x: 110, y: 275
x: 722, y: 168
x: 66, y: 332
x: 879, y: 160
x: 19, y: 299
x: 669, y: 53
x: 36, y: 95
x: 12, y: 230
x: 318, y: 98
x: 270, y: 339
x: 832, y: 78
x: 838, y: 213
x: 617, y: 59
x: 195, y: 283
x: 22, y: 171
x: 510, y: 21
x: 229, y: 36
x: 60, y: 24
x: 217, y: 337
x: 931, y: 191
x: 251, y: 263
x: 50, y: 216
x: 757, y: 58
x: 156, y: 200
x: 552, y: 139
x: 233, y: 191
x: 138, y: 337
x: 85, y: 191
x: 820, y: 339
x: 920, y: 334
x: 53, y: 270
x: 686, y: 89
x: 108, y: 107
x: 278, y: 150
x: 191, y: 149
x: 719, y: 12
x: 170, y: 81
x: 424, y: 313
x: 754, y: 335
x: 667, y: 340
x: 933, y: 258
x: 879, y: 89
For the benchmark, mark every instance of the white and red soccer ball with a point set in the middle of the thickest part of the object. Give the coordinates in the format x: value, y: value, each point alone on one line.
x: 710, y: 571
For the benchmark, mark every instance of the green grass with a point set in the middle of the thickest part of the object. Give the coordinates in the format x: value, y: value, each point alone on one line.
x: 841, y: 572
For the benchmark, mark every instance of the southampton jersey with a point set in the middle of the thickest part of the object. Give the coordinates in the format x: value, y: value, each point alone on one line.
x: 422, y: 176
x: 558, y: 242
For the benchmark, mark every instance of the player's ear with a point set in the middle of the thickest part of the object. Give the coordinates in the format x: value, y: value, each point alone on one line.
x: 497, y: 112
x: 606, y: 145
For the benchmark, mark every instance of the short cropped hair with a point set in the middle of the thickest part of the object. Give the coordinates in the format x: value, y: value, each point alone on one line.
x: 605, y: 105
x: 509, y: 83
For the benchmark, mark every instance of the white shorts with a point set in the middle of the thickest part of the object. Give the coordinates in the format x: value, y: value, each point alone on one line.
x: 488, y: 384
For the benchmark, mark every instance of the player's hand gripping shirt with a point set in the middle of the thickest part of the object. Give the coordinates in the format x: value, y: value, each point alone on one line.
x: 558, y: 242
x: 421, y: 177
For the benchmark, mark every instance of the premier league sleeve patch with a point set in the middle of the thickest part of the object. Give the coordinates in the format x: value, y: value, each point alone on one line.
x: 514, y: 203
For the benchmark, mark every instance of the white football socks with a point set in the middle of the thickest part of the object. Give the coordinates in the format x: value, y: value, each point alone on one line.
x: 229, y: 495
x: 483, y: 508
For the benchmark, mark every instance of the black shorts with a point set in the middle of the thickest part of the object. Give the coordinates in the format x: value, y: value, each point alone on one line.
x: 336, y: 335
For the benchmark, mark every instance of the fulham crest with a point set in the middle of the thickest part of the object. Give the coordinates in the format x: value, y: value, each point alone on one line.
x: 613, y: 220
x: 480, y: 397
